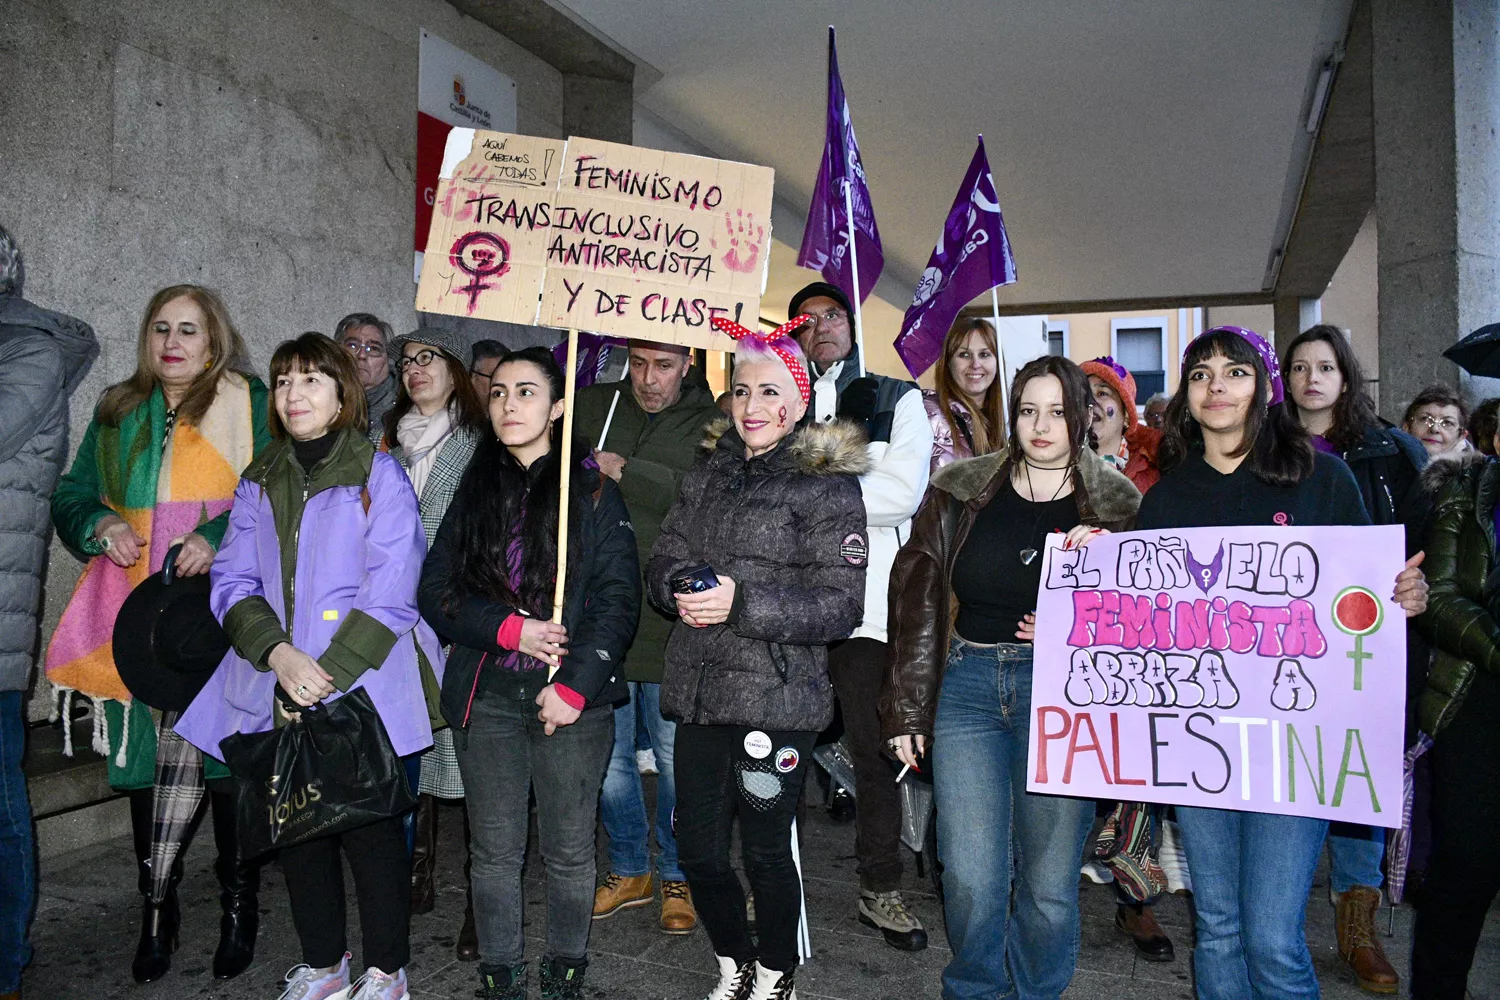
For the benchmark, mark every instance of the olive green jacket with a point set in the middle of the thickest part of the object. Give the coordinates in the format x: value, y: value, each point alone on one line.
x: 1463, y: 578
x: 658, y: 449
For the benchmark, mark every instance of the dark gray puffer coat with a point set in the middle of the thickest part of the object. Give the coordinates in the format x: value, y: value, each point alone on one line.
x: 43, y: 357
x: 789, y: 528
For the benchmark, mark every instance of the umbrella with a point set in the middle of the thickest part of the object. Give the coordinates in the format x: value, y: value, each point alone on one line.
x: 1479, y: 352
x: 1398, y: 842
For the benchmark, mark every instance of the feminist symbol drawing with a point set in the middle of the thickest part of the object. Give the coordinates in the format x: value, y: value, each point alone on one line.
x: 1357, y: 612
x: 480, y: 255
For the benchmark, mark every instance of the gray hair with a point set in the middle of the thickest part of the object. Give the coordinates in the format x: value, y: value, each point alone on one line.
x: 355, y: 320
x: 12, y: 270
x: 1160, y: 397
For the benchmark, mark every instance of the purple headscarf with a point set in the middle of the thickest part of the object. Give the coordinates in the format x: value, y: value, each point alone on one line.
x: 1265, y: 350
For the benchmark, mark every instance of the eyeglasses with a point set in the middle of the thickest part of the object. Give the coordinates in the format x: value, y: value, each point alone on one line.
x: 356, y: 348
x: 421, y: 359
x: 1439, y: 423
x: 830, y: 317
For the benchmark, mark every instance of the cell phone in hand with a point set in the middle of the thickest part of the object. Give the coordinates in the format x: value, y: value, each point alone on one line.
x: 695, y: 580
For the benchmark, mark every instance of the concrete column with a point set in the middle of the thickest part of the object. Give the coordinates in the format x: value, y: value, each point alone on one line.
x: 1292, y: 315
x: 597, y: 108
x: 1436, y: 107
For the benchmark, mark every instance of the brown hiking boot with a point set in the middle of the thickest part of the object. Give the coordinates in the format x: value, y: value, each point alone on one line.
x: 620, y: 892
x: 677, y: 914
x: 1138, y: 921
x: 1354, y: 921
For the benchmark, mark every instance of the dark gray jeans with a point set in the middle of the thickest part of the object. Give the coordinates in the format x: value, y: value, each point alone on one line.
x: 504, y: 753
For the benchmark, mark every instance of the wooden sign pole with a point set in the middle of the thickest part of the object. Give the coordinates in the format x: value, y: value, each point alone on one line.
x: 570, y: 378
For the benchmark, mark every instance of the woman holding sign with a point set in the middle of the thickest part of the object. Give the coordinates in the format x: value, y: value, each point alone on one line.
x: 978, y: 538
x: 1233, y: 454
x: 530, y: 700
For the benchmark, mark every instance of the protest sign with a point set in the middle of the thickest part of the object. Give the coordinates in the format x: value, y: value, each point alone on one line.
x: 454, y: 89
x: 599, y: 236
x: 1252, y: 668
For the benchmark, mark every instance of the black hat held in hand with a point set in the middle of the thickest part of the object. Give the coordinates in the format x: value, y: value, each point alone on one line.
x: 167, y: 643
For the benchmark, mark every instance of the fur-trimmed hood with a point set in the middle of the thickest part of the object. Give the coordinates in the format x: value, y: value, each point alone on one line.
x: 834, y: 448
x: 1444, y: 472
x: 1112, y: 497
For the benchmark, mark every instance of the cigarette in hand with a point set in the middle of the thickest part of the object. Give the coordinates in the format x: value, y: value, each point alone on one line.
x: 904, y: 769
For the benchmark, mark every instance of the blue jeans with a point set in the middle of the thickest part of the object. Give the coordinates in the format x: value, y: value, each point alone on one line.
x: 623, y: 804
x: 17, y: 853
x: 979, y: 778
x: 1356, y: 852
x: 1251, y: 876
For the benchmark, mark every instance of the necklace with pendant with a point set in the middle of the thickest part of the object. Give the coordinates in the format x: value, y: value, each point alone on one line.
x: 1028, y: 555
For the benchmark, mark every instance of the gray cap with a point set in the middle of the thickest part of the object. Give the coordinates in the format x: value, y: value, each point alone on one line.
x: 447, y: 341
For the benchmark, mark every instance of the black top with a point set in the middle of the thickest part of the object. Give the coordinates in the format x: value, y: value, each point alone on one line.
x: 995, y: 588
x: 1196, y: 495
x: 310, y: 453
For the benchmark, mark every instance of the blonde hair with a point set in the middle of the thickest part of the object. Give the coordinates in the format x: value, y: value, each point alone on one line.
x: 226, y: 353
x: 989, y: 419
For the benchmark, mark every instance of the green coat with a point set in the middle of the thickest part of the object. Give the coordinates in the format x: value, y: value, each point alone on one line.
x: 1460, y: 619
x: 658, y: 450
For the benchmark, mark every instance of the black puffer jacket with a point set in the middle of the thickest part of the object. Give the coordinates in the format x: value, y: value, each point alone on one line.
x: 1387, y: 464
x: 789, y: 528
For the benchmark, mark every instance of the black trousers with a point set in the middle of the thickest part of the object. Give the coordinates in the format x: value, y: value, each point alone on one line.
x: 857, y: 668
x: 382, y: 885
x: 1462, y: 879
x: 717, y: 780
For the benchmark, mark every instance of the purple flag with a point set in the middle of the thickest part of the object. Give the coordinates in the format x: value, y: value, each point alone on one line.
x: 972, y: 256
x: 825, y: 241
x: 593, y: 356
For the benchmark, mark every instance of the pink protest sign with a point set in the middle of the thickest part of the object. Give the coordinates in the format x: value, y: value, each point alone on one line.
x: 1253, y: 668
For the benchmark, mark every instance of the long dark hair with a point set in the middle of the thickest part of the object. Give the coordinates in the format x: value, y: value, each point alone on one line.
x: 498, y: 499
x: 1275, y: 444
x: 1076, y: 396
x: 468, y: 409
x: 1354, y: 411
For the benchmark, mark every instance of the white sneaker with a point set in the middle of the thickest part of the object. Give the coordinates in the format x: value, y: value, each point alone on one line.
x: 303, y: 982
x: 1097, y: 872
x: 377, y: 985
x: 773, y: 985
x: 1174, y: 859
x: 735, y: 981
x: 645, y: 761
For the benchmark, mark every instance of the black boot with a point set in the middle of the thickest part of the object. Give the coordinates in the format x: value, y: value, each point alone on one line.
x: 159, y: 921
x: 239, y: 883
x: 468, y: 935
x: 424, y: 856
x: 562, y: 978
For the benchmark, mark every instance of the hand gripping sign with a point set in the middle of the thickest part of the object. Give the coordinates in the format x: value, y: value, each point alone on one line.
x: 1197, y: 666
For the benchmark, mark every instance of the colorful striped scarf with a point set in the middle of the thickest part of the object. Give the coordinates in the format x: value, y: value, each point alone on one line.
x: 161, y: 493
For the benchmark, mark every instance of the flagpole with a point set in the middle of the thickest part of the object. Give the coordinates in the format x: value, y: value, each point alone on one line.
x: 859, y: 330
x: 999, y: 352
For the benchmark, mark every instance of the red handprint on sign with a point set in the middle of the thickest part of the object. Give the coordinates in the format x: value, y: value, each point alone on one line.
x: 744, y: 238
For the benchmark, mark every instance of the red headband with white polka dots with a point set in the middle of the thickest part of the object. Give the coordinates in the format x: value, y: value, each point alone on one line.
x: 772, y: 341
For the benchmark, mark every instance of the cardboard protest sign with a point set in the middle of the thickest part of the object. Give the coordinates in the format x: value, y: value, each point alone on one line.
x: 1252, y: 668
x: 599, y: 236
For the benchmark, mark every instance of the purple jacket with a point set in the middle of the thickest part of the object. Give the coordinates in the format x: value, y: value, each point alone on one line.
x: 347, y: 561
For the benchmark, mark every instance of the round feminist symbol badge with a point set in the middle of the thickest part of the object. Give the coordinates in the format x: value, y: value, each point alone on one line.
x: 1358, y: 612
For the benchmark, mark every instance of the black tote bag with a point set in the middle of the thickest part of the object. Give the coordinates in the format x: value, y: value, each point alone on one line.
x: 333, y: 771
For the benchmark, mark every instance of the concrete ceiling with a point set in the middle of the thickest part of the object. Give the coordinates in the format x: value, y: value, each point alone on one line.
x: 1144, y: 150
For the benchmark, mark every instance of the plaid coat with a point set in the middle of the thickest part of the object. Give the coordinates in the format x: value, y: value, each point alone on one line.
x: 442, y: 482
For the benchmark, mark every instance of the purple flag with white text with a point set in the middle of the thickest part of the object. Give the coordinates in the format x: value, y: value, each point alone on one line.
x: 972, y: 256
x: 593, y: 356
x: 825, y: 241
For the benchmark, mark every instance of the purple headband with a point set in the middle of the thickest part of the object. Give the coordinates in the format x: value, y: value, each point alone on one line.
x: 1111, y: 363
x: 1266, y: 352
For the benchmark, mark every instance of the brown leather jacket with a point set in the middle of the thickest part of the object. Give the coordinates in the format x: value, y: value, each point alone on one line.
x: 922, y: 606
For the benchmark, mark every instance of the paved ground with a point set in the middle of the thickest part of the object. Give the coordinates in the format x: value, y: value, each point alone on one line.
x: 88, y: 917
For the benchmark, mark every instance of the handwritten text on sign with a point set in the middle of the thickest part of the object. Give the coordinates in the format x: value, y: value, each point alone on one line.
x: 1258, y: 668
x: 605, y: 237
